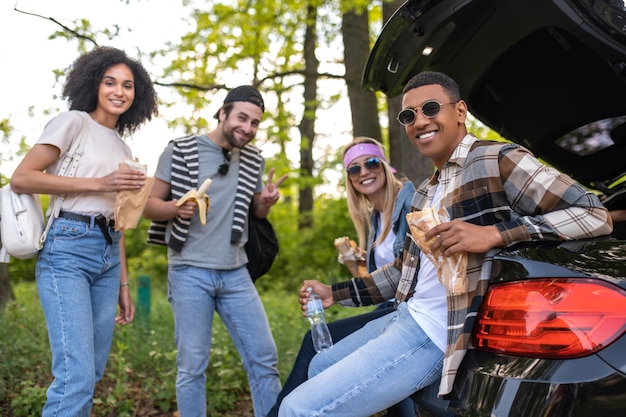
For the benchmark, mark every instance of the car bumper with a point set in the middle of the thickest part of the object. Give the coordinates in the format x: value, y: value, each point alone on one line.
x: 509, y: 386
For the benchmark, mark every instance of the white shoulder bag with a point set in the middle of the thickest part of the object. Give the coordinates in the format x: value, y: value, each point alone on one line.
x: 22, y: 232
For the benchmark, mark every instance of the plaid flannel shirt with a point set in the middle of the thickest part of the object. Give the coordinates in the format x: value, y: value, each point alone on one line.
x: 485, y: 183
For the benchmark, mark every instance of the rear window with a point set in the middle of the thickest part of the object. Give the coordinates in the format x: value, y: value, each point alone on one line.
x: 594, y: 137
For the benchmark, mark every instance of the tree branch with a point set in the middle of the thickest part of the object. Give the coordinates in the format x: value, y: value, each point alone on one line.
x: 191, y: 86
x: 53, y: 20
x: 222, y: 86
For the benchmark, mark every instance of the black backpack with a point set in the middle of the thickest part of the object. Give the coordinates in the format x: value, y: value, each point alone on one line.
x: 262, y: 246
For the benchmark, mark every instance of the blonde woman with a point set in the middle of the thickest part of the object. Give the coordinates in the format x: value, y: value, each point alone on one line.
x: 378, y: 203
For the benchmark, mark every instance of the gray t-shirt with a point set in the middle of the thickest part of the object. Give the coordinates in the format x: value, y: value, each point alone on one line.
x: 209, y: 246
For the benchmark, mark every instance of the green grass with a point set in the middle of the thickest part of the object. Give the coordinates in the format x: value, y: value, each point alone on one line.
x: 141, y: 372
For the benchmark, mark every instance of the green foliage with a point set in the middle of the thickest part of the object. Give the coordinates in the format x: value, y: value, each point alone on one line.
x: 481, y: 131
x: 143, y: 258
x: 28, y: 403
x: 5, y: 132
x: 25, y: 364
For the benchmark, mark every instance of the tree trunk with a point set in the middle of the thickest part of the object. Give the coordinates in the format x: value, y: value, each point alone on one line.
x: 356, y: 42
x: 403, y: 155
x: 307, y: 124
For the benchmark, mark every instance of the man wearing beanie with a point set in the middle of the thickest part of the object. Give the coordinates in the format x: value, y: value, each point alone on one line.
x: 207, y: 262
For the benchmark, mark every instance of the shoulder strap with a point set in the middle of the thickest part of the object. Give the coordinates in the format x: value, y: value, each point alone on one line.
x: 67, y: 169
x: 70, y: 162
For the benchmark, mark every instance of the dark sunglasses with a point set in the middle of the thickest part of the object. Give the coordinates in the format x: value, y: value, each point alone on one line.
x: 372, y: 164
x: 429, y: 109
x: 223, y: 169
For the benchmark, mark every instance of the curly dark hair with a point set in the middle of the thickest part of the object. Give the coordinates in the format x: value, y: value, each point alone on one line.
x: 85, y: 75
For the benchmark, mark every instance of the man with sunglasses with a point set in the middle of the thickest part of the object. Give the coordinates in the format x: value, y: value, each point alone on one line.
x: 497, y: 195
x: 207, y: 264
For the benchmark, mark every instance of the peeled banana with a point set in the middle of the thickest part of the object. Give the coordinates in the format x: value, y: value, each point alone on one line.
x: 201, y: 198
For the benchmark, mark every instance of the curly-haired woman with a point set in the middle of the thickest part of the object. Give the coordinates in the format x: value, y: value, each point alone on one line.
x: 81, y: 269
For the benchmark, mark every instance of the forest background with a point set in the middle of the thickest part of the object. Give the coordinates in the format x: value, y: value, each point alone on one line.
x: 307, y: 58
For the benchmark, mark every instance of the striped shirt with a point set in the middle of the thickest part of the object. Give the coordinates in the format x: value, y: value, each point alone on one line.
x: 485, y: 183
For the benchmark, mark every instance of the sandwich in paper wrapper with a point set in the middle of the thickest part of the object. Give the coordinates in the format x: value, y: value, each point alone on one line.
x: 129, y: 204
x: 451, y: 270
x: 351, y: 256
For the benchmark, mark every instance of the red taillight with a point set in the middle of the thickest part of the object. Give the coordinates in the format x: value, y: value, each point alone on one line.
x: 550, y: 318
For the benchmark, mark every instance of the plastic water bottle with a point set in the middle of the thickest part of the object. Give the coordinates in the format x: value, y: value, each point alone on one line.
x: 322, y: 340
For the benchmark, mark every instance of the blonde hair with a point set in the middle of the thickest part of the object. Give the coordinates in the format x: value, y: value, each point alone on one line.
x: 360, y: 207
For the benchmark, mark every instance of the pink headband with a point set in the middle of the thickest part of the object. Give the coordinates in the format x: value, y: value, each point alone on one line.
x: 363, y: 149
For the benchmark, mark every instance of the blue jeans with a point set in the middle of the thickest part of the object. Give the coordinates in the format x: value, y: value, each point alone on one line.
x: 195, y: 294
x: 338, y: 330
x: 375, y: 367
x: 78, y: 280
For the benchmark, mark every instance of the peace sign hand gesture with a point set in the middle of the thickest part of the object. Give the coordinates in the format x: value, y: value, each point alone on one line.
x: 269, y: 196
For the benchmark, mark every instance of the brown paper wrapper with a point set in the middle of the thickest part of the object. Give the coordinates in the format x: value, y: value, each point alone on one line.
x: 129, y: 204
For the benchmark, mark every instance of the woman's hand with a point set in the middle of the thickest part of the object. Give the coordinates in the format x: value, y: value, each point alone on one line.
x: 122, y: 179
x: 126, y: 312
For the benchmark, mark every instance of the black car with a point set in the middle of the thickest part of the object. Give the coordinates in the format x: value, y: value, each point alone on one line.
x: 550, y: 339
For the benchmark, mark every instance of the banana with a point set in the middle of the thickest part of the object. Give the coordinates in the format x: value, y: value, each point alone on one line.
x: 201, y: 198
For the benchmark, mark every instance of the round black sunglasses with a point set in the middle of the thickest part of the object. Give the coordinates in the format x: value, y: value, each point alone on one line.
x: 429, y: 109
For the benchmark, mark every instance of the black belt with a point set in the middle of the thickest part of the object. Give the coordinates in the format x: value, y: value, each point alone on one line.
x: 102, y: 222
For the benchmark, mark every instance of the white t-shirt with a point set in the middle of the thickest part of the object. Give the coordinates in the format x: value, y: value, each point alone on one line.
x: 383, y: 253
x: 104, y: 151
x: 429, y: 306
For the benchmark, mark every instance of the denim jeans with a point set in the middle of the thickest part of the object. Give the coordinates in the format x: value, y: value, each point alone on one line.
x: 78, y: 280
x: 195, y: 294
x: 375, y: 367
x: 338, y: 330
